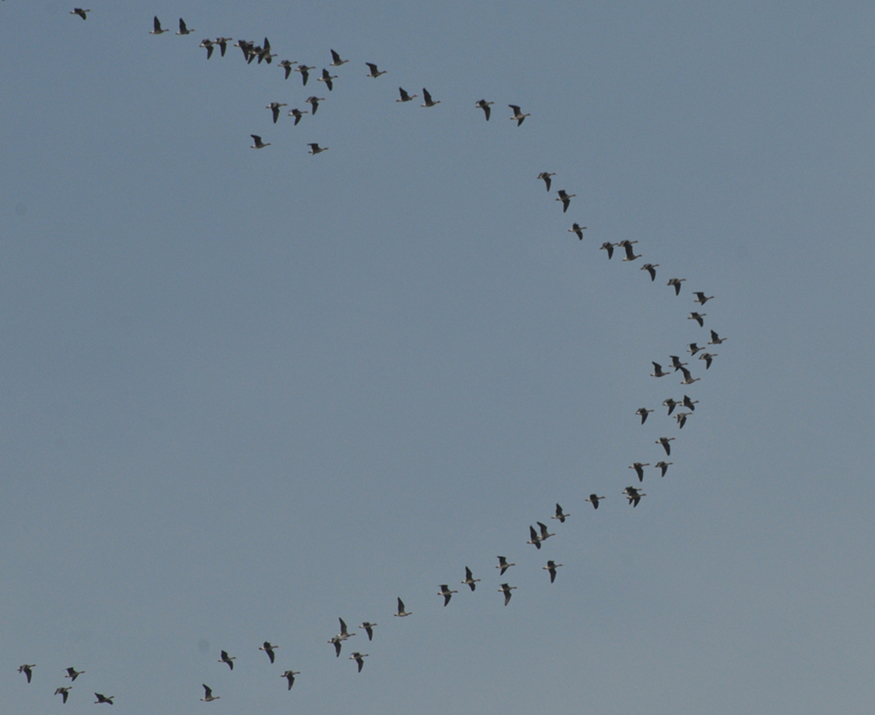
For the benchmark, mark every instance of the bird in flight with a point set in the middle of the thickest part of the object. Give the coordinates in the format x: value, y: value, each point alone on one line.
x: 484, y: 105
x: 503, y: 564
x: 565, y: 199
x: 275, y: 108
x: 404, y: 96
x: 101, y: 698
x: 208, y: 695
x: 156, y: 27
x: 81, y: 13
x: 227, y: 659
x: 707, y: 357
x: 576, y: 228
x: 715, y: 339
x: 676, y: 282
x: 64, y: 692
x: 594, y: 500
x: 470, y: 580
x: 664, y: 441
x: 651, y: 269
x: 643, y: 412
x: 446, y: 592
x: 658, y: 371
x: 269, y: 649
x: 27, y: 669
x: 662, y: 467
x: 72, y: 673
x: 287, y: 66
x: 208, y: 44
x: 633, y: 495
x: 534, y: 539
x: 639, y: 469
x: 305, y: 72
x: 297, y: 114
x: 560, y: 515
x: 359, y: 658
x: 336, y: 61
x: 369, y: 629
x: 545, y: 177
x: 314, y: 103
x: 258, y: 143
x: 429, y: 102
x: 506, y: 589
x: 551, y: 567
x: 401, y: 612
x: 290, y: 676
x: 701, y: 298
x: 327, y: 77
x: 698, y: 317
x: 609, y: 247
x: 316, y: 149
x: 518, y: 114
x: 374, y: 71
x: 183, y: 30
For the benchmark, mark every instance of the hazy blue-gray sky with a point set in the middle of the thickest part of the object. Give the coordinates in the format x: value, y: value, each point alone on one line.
x: 248, y: 392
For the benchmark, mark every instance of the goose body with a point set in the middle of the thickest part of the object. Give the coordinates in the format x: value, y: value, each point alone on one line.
x: 305, y: 72
x: 681, y: 417
x: 208, y: 44
x: 715, y: 339
x: 664, y: 441
x: 701, y: 298
x: 183, y: 30
x: 484, y: 105
x: 72, y: 673
x: 689, y: 404
x: 551, y: 567
x: 289, y: 675
x: 560, y: 515
x: 83, y: 14
x: 642, y: 412
x: 662, y: 467
x: 375, y: 72
x: 470, y: 581
x: 227, y: 659
x: 633, y: 495
x: 316, y: 149
x: 208, y: 695
x: 101, y: 698
x: 503, y: 565
x: 446, y: 592
x: 676, y: 284
x: 274, y: 107
x: 429, y: 102
x: 651, y: 269
x: 534, y: 539
x: 688, y: 378
x: 268, y: 648
x: 156, y: 27
x: 404, y: 96
x: 671, y: 404
x: 707, y: 357
x: 222, y: 42
x: 314, y: 103
x: 565, y: 198
x: 518, y: 114
x: 327, y: 77
x: 401, y: 612
x: 506, y: 589
x: 369, y: 629
x: 609, y: 247
x: 698, y: 317
x: 27, y: 669
x: 359, y: 658
x: 287, y: 65
x: 658, y: 371
x: 577, y: 229
x: 258, y: 143
x: 297, y: 114
x: 545, y: 177
x: 594, y: 500
x: 544, y: 535
x: 336, y: 61
x: 639, y: 469
x: 64, y: 692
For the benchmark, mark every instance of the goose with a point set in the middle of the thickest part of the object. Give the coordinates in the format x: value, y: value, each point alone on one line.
x: 676, y: 282
x: 305, y: 72
x: 544, y: 534
x: 369, y: 629
x: 72, y: 673
x: 690, y: 404
x: 642, y: 412
x: 359, y: 658
x: 316, y: 149
x: 701, y: 298
x: 287, y: 66
x: 506, y: 589
x: 565, y: 199
x: 222, y: 42
x: 698, y: 317
x: 258, y: 143
x: 429, y: 102
x: 609, y: 247
x: 245, y: 47
x: 560, y: 515
x: 688, y: 378
x: 503, y: 565
x: 375, y: 72
x: 658, y: 371
x: 275, y: 108
x: 545, y: 177
x: 484, y: 105
x: 693, y: 349
x: 208, y: 695
x: 671, y: 404
x: 183, y: 30
x: 594, y: 500
x: 253, y: 52
x: 64, y: 692
x: 297, y: 114
x: 447, y: 593
x: 664, y: 441
x: 651, y: 269
x: 314, y: 103
x: 290, y: 676
x: 27, y: 669
x: 401, y: 612
x: 676, y: 363
x: 639, y: 469
x: 269, y: 649
x: 337, y: 642
x: 404, y: 96
x: 518, y: 114
x: 633, y: 495
x: 576, y: 228
x: 534, y: 539
x: 101, y: 698
x: 265, y: 53
x: 344, y: 633
x: 81, y: 13
x: 157, y: 30
x: 707, y: 357
x: 630, y: 254
x: 551, y: 567
x: 208, y: 44
x: 227, y: 659
x: 327, y: 77
x: 681, y: 417
x: 716, y: 339
x: 662, y: 467
x: 336, y: 61
x: 470, y: 580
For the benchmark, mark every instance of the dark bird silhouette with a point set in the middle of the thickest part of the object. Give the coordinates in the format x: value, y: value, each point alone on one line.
x: 707, y: 357
x: 401, y: 612
x: 316, y: 149
x: 156, y: 30
x: 715, y: 339
x: 258, y: 143
x: 287, y: 65
x: 327, y: 77
x: 505, y: 589
x: 651, y: 269
x: 664, y: 441
x: 633, y: 495
x: 64, y: 692
x: 545, y: 177
x: 560, y: 515
x: 27, y: 669
x: 81, y: 13
x: 676, y: 282
x: 594, y: 500
x: 375, y: 72
x: 565, y: 199
x: 72, y: 674
x: 503, y: 564
x: 208, y: 695
x: 446, y: 592
x: 227, y: 659
x: 305, y: 73
x: 314, y: 103
x: 701, y: 298
x: 662, y: 467
x: 639, y: 469
x: 289, y: 675
x: 269, y: 649
x: 101, y: 698
x: 698, y: 317
x: 518, y: 114
x: 183, y: 30
x: 643, y: 412
x: 336, y: 61
x: 577, y: 229
x: 359, y: 658
x: 404, y: 96
x: 609, y: 247
x: 551, y: 567
x: 429, y: 102
x: 208, y: 44
x: 470, y: 580
x: 671, y: 404
x: 275, y: 108
x: 297, y: 114
x: 484, y: 105
x: 658, y: 371
x: 689, y: 404
x: 534, y: 539
x: 369, y: 629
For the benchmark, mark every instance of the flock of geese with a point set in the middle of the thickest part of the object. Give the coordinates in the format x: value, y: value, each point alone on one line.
x: 537, y: 536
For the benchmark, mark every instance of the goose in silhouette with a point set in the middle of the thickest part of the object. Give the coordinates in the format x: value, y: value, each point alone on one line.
x: 72, y: 674
x: 429, y: 102
x: 688, y: 378
x: 505, y: 589
x: 689, y: 404
x: 297, y: 114
x: 327, y: 77
x: 469, y: 579
x: 518, y: 114
x: 27, y: 669
x: 156, y: 30
x: 246, y: 48
x: 658, y: 371
x: 707, y: 357
x: 671, y: 404
x: 369, y: 629
x: 639, y: 469
x: 81, y: 13
x: 642, y: 412
x: 544, y: 535
x: 662, y: 467
x: 316, y: 149
x: 676, y: 282
x: 287, y: 65
x: 401, y: 612
x: 609, y: 247
x: 337, y: 642
x: 222, y: 42
x: 290, y: 676
x: 503, y: 565
x: 630, y: 254
x: 305, y: 72
x: 701, y: 298
x: 404, y: 96
x: 484, y: 105
x: 633, y: 495
x: 715, y: 339
x: 275, y: 108
x: 101, y: 698
x: 183, y: 30
x: 336, y: 61
x: 594, y: 500
x: 693, y: 349
x: 265, y: 53
x: 565, y: 199
x: 545, y: 177
x: 208, y: 695
x: 258, y: 143
x: 577, y: 229
x: 269, y: 649
x: 551, y: 567
x: 374, y: 70
x: 227, y: 659
x: 651, y: 269
x: 208, y: 44
x: 560, y: 515
x: 698, y: 317
x: 676, y: 363
x: 314, y: 103
x: 359, y: 658
x: 344, y: 633
x: 681, y: 417
x: 446, y: 592
x: 664, y: 441
x: 64, y: 692
x: 534, y: 539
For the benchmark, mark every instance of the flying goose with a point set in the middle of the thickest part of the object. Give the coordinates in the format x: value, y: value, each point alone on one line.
x: 404, y: 96
x: 246, y: 48
x: 565, y: 199
x: 681, y: 417
x: 72, y: 673
x: 594, y: 500
x: 314, y: 103
x: 375, y: 72
x: 401, y: 612
x: 518, y: 114
x: 503, y: 565
x: 429, y: 102
x: 469, y: 579
x: 690, y: 404
x: 544, y: 534
x: 633, y: 495
x: 81, y: 13
x: 227, y: 659
x: 701, y: 298
x: 290, y: 676
x: 275, y: 108
x: 639, y: 469
x: 27, y: 669
x: 671, y: 404
x: 64, y: 692
x: 208, y: 44
x: 156, y: 30
x: 337, y: 642
x: 693, y: 349
x: 716, y: 339
x: 676, y: 282
x: 662, y: 467
x: 551, y: 567
x: 446, y: 592
x: 664, y: 441
x: 560, y: 515
x: 183, y: 30
x: 305, y: 72
x: 297, y: 114
x: 269, y: 649
x: 545, y: 176
x: 484, y: 105
x: 651, y: 269
x: 698, y: 317
x: 688, y: 378
x: 208, y: 695
x: 676, y: 363
x: 287, y: 66
x: 576, y: 228
x: 505, y: 589
x: 344, y: 633
x: 707, y: 357
x: 643, y: 412
x: 336, y: 61
x: 258, y: 143
x: 327, y: 77
x: 101, y: 698
x: 359, y: 658
x: 316, y: 149
x: 630, y: 254
x: 222, y: 42
x: 265, y: 53
x: 658, y: 371
x: 369, y: 629
x: 609, y: 247
x: 534, y: 539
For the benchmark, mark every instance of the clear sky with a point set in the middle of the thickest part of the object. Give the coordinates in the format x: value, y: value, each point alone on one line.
x: 247, y: 392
